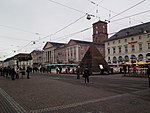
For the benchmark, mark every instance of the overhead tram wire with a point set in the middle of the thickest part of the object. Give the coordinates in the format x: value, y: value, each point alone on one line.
x: 19, y: 29
x: 108, y: 20
x: 72, y: 34
x: 70, y: 23
x: 58, y: 30
x: 110, y: 10
x: 117, y: 13
x: 63, y: 27
x: 131, y: 15
x: 25, y: 46
x: 66, y: 6
x: 74, y: 21
x: 127, y: 9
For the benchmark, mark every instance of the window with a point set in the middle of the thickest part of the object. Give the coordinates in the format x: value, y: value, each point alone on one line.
x: 133, y: 58
x: 96, y: 32
x: 149, y: 45
x: 68, y: 52
x: 114, y: 50
x: 108, y: 50
x: 126, y: 48
x: 108, y: 43
x: 140, y: 57
x: 96, y: 39
x: 148, y: 35
x: 71, y: 52
x: 118, y: 41
x: 140, y: 47
x: 114, y: 60
x: 119, y: 49
x: 120, y: 59
x: 127, y: 33
x: 140, y: 37
x: 74, y: 53
x: 126, y: 58
x: 109, y: 61
x: 132, y: 48
x: 148, y: 57
x: 113, y: 42
x: 125, y: 40
x: 103, y: 29
x: 132, y: 38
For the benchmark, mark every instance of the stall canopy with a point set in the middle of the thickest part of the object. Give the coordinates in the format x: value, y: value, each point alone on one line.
x: 62, y: 64
x: 141, y: 63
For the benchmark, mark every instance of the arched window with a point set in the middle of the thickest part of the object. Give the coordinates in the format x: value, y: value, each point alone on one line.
x: 140, y: 57
x: 148, y: 57
x: 114, y: 60
x: 109, y: 61
x: 133, y: 58
x: 120, y: 59
x: 126, y: 58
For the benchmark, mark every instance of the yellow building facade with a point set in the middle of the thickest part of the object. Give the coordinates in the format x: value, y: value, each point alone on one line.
x: 129, y: 45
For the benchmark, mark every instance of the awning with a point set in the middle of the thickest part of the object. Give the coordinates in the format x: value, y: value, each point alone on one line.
x: 141, y: 63
x: 62, y: 64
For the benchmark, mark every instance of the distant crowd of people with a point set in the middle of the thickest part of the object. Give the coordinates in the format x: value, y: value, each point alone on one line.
x: 14, y: 73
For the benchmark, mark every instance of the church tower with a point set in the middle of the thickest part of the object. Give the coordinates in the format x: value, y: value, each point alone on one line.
x: 100, y: 32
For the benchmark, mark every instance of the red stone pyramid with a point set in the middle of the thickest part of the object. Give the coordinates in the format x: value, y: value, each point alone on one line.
x: 92, y: 59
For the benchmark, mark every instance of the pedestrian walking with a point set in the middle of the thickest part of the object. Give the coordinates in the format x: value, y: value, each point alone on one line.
x: 148, y: 74
x: 13, y: 73
x: 17, y: 73
x: 86, y: 75
x: 125, y: 69
x: 78, y: 72
x: 28, y: 72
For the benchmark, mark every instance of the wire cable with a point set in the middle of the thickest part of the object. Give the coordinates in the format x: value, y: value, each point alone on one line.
x: 128, y: 9
x: 64, y: 27
x: 66, y: 6
x: 72, y: 34
x: 131, y: 15
x: 19, y: 29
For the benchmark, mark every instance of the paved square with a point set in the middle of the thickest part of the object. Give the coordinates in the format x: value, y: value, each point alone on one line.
x: 45, y: 93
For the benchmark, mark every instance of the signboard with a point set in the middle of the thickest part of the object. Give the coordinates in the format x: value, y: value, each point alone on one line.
x: 101, y: 67
x: 132, y: 42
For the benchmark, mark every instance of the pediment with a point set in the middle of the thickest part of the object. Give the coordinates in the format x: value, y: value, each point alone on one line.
x: 47, y: 45
x: 71, y: 42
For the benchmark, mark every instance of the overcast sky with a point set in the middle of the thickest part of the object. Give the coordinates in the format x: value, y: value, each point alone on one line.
x: 23, y: 22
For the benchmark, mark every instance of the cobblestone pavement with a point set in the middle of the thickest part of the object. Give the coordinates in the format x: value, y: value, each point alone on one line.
x: 45, y: 93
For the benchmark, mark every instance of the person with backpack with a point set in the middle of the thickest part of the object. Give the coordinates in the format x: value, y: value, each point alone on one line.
x: 86, y: 75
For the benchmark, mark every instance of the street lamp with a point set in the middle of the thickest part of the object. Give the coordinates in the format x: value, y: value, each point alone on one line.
x: 89, y: 16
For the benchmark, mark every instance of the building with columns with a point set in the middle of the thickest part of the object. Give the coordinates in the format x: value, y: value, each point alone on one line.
x: 129, y: 45
x: 50, y: 52
x: 76, y: 50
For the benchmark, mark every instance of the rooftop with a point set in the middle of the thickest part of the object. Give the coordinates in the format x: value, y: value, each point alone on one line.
x: 131, y: 31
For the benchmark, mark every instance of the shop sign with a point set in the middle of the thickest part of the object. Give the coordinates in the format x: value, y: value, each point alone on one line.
x: 132, y: 42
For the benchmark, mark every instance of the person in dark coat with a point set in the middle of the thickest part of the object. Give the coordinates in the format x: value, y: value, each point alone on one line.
x: 13, y: 73
x: 125, y: 69
x: 28, y: 72
x: 148, y: 74
x: 86, y: 75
